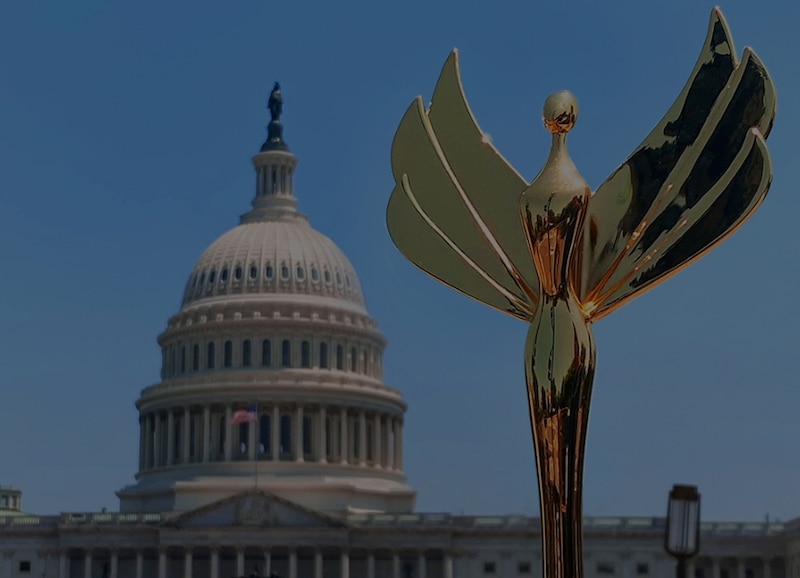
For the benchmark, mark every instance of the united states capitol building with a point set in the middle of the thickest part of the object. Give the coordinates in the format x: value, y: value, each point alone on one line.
x: 272, y: 444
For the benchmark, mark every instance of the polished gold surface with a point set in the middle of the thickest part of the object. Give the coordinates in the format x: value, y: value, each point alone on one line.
x: 559, y: 257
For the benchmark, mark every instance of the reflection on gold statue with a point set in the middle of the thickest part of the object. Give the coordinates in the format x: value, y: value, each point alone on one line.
x: 560, y: 257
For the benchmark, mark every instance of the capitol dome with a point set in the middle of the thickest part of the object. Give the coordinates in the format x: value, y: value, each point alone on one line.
x: 271, y: 372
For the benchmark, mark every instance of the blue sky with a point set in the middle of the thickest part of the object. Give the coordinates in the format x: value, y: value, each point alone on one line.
x: 126, y: 131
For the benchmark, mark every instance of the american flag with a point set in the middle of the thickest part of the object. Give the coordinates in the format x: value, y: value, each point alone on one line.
x: 248, y: 415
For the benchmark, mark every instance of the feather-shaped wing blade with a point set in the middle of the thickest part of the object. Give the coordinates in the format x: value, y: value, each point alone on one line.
x: 434, y: 224
x: 679, y: 179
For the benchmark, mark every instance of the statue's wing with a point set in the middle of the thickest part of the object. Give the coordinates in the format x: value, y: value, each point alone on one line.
x: 698, y: 176
x: 454, y: 211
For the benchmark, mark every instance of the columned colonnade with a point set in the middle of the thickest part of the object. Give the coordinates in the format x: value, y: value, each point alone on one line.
x: 287, y: 561
x: 281, y: 432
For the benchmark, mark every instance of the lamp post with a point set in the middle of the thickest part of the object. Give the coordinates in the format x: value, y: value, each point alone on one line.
x: 682, y: 537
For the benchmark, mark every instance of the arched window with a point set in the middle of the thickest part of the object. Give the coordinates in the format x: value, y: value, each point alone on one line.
x: 195, y: 357
x: 286, y: 437
x: 269, y: 272
x: 253, y: 271
x: 357, y: 439
x: 210, y: 356
x: 347, y: 280
x: 327, y: 276
x: 353, y: 359
x: 264, y: 436
x: 177, y: 441
x: 274, y: 176
x: 314, y: 274
x: 192, y: 437
x: 212, y: 276
x: 301, y: 273
x: 286, y: 353
x: 323, y: 355
x: 266, y: 353
x: 237, y: 273
x: 307, y: 438
x: 338, y: 278
x: 228, y: 354
x: 339, y: 357
x: 183, y: 359
x: 224, y: 275
x: 173, y: 368
x: 284, y: 271
x: 305, y: 354
x: 202, y: 278
x: 246, y: 353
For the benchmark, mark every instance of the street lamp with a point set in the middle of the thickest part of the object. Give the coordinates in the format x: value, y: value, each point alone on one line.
x: 682, y: 538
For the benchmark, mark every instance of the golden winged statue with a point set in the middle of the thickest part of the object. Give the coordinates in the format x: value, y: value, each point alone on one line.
x: 554, y: 254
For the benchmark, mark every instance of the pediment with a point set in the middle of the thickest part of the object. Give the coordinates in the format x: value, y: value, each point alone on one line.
x: 255, y: 508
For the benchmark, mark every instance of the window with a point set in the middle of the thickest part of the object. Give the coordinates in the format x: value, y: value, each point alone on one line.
x: 305, y: 354
x: 357, y: 439
x: 286, y: 436
x: 246, y: 353
x: 177, y: 442
x: 489, y: 568
x: 224, y: 275
x: 338, y: 278
x: 202, y: 278
x: 192, y: 436
x: 523, y: 567
x: 196, y: 357
x: 643, y: 568
x: 286, y: 353
x: 269, y: 272
x: 339, y: 357
x: 244, y: 438
x: 605, y: 568
x: 301, y: 273
x: 210, y: 357
x: 237, y: 274
x: 323, y: 355
x: 212, y: 276
x: 347, y: 280
x: 228, y: 354
x: 314, y: 274
x: 266, y: 353
x: 221, y: 435
x: 284, y: 271
x: 327, y: 276
x: 183, y: 359
x: 264, y: 435
x: 274, y: 176
x: 25, y: 566
x: 370, y: 457
x: 353, y: 359
x: 253, y: 271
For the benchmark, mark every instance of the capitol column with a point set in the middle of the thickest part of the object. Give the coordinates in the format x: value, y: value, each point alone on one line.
x: 422, y: 568
x: 162, y: 563
x: 767, y: 571
x: 345, y: 563
x: 8, y: 563
x: 318, y: 563
x: 292, y: 563
x: 395, y: 565
x: 448, y: 565
x: 187, y: 563
x: 139, y: 564
x: 715, y: 573
x: 214, y: 562
x: 114, y: 563
x: 62, y: 564
x: 322, y: 438
x: 741, y: 567
x: 156, y: 439
x: 240, y: 561
x: 206, y: 433
x: 343, y: 436
x: 87, y: 563
x: 376, y: 441
x: 276, y: 432
x: 267, y: 562
x: 187, y: 430
x: 298, y: 434
x: 228, y: 431
x: 170, y: 437
x: 362, y: 438
x: 370, y: 564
